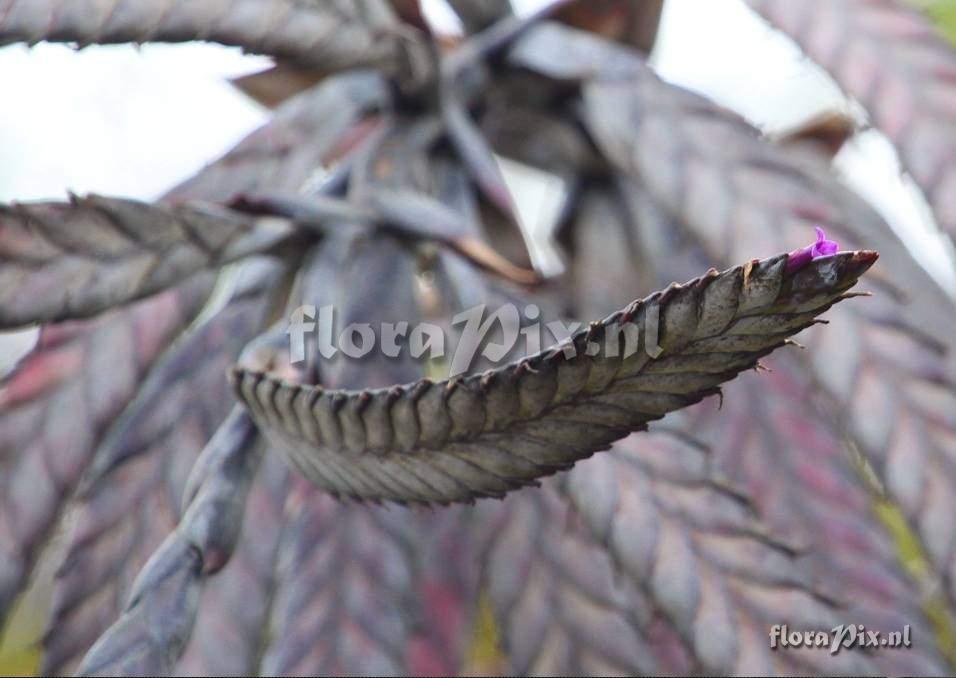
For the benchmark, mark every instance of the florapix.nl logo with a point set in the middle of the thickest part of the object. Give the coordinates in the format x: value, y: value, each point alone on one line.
x: 475, y: 328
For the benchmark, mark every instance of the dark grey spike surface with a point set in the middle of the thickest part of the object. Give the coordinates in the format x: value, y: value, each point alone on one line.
x: 486, y: 434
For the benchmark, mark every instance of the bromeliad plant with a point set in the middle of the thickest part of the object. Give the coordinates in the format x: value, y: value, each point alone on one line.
x: 209, y: 520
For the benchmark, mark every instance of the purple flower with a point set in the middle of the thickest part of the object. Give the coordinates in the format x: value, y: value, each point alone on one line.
x: 803, y: 256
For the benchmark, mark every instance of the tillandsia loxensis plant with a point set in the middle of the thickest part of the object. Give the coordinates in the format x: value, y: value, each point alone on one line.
x: 227, y: 508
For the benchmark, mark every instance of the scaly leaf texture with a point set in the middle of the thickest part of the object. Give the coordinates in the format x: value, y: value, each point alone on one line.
x: 896, y: 395
x: 327, y: 36
x: 886, y: 367
x: 282, y: 154
x: 891, y: 58
x: 766, y: 438
x: 130, y: 500
x: 484, y: 435
x: 799, y: 478
x: 57, y: 406
x: 561, y: 606
x: 435, y: 638
x: 422, y: 197
x: 666, y: 137
x: 557, y: 604
x: 73, y: 260
x: 529, y: 579
x: 234, y: 606
x: 383, y: 19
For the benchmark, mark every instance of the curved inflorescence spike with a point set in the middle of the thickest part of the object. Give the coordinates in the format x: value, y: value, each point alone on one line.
x: 153, y: 629
x: 488, y: 434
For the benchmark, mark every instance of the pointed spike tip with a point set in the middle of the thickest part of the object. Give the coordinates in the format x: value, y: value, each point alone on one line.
x: 862, y: 260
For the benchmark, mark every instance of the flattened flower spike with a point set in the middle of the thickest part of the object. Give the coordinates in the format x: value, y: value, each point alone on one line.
x: 821, y: 248
x: 486, y: 434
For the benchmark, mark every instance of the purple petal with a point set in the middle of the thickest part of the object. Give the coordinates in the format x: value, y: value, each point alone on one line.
x: 803, y: 256
x: 822, y: 247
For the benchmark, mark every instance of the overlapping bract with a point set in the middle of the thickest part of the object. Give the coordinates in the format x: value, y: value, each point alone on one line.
x: 888, y: 56
x: 403, y: 605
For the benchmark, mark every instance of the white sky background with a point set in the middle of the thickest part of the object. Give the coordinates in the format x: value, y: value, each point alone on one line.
x: 132, y: 122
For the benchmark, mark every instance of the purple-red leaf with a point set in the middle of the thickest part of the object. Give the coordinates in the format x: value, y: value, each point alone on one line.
x: 796, y: 468
x: 232, y: 624
x: 699, y: 554
x: 403, y: 601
